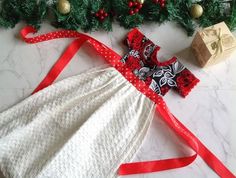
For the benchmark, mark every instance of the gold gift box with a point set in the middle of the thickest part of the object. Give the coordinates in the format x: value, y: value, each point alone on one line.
x: 213, y: 44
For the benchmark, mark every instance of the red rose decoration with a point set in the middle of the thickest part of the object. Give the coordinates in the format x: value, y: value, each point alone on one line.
x: 148, y: 80
x: 164, y: 90
x: 188, y: 76
x: 133, y: 63
x: 185, y: 81
x: 185, y: 78
x: 180, y: 81
x: 135, y: 39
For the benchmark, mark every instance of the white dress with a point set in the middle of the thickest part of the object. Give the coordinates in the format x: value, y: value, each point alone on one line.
x: 83, y: 126
x: 86, y: 126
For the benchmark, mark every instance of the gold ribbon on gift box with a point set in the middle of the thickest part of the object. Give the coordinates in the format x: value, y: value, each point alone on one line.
x: 220, y: 43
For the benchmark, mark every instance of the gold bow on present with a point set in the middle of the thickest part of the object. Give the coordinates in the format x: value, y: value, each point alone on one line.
x: 220, y: 43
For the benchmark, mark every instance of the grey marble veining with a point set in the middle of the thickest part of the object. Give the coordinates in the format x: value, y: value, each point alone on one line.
x: 209, y: 110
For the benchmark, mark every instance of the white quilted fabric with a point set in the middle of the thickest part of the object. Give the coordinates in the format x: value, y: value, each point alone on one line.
x: 84, y: 126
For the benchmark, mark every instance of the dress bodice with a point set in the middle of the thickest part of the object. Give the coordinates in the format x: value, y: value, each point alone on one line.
x: 142, y: 59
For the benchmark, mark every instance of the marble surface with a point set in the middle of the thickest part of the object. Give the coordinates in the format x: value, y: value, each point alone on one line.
x: 209, y: 111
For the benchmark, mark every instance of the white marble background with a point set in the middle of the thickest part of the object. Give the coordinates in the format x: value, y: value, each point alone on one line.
x: 209, y: 110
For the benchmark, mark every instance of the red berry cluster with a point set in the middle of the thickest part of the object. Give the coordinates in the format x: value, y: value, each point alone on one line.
x: 101, y: 14
x: 134, y: 7
x: 161, y: 2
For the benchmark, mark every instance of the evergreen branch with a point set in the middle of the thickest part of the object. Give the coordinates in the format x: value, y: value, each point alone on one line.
x: 82, y: 13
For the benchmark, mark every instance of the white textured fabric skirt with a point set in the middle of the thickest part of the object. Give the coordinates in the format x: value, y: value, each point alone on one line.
x: 83, y: 126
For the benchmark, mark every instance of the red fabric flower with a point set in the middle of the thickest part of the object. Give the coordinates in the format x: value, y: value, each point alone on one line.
x: 185, y: 78
x: 133, y: 63
x: 164, y: 90
x: 180, y: 81
x: 185, y: 82
x: 148, y: 80
x: 135, y: 39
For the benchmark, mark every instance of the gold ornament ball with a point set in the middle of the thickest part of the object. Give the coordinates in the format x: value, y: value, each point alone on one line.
x: 63, y: 6
x: 141, y: 1
x: 196, y: 11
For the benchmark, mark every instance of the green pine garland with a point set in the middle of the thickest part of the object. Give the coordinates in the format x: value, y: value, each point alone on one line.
x: 82, y: 14
x: 12, y: 11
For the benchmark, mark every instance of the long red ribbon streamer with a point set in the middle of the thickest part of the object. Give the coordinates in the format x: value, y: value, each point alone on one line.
x: 114, y: 59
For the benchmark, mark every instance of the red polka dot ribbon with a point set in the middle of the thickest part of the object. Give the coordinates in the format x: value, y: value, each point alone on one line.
x: 115, y: 60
